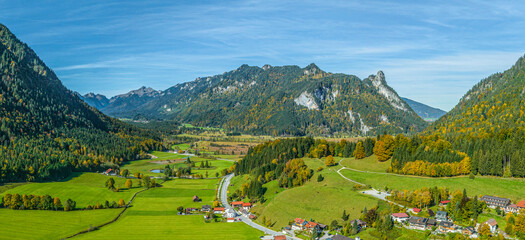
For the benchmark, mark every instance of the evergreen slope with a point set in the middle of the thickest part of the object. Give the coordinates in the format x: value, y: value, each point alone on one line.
x: 486, y: 130
x: 282, y: 100
x: 46, y: 131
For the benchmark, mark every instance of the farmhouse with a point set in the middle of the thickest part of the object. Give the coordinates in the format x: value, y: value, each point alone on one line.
x: 230, y: 213
x: 492, y: 224
x: 196, y: 198
x: 206, y: 208
x: 521, y: 204
x: 280, y: 237
x: 444, y: 203
x: 418, y: 222
x: 416, y: 210
x: 247, y: 206
x: 108, y: 172
x: 441, y: 216
x: 218, y: 210
x: 494, y: 202
x: 237, y: 204
x: 399, y: 217
x: 230, y: 219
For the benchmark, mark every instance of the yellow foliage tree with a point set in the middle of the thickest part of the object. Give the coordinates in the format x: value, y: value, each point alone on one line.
x: 129, y: 183
x: 359, y: 152
x: 330, y: 161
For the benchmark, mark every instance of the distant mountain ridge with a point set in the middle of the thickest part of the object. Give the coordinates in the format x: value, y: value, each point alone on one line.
x: 426, y: 112
x: 274, y: 100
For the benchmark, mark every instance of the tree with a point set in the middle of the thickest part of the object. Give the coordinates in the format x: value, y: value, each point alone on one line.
x: 484, y: 230
x: 121, y: 202
x: 345, y: 216
x: 206, y: 174
x: 180, y: 209
x: 217, y: 174
x: 359, y: 152
x: 334, y: 225
x: 320, y: 178
x: 384, y: 148
x: 56, y: 203
x: 69, y: 205
x: 124, y: 173
x: 110, y: 184
x: 146, y: 182
x: 330, y: 161
x: 129, y: 183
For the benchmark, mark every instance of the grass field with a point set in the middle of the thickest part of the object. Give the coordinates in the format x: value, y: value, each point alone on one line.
x: 369, y: 164
x: 153, y: 216
x: 510, y: 188
x: 34, y: 224
x: 322, y: 201
x: 145, y: 166
x: 84, y: 188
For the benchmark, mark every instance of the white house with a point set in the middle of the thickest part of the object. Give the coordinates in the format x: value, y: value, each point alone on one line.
x: 399, y: 217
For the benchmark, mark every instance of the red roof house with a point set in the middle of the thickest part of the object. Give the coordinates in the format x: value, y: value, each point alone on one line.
x: 521, y: 204
x: 246, y: 205
x: 444, y: 202
x: 280, y: 237
x: 416, y: 210
x: 400, y: 215
x: 237, y: 204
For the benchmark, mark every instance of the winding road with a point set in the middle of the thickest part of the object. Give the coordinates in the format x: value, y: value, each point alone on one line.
x: 224, y: 199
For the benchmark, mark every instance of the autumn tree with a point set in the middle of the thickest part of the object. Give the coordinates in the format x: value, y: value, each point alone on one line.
x: 330, y: 161
x: 384, y: 148
x: 129, y: 183
x: 359, y: 152
x: 121, y: 202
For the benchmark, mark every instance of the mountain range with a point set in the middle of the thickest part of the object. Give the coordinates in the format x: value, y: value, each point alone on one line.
x: 273, y: 100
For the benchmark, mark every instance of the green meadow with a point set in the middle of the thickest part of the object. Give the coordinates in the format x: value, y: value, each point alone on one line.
x: 503, y: 187
x: 154, y: 216
x: 35, y: 224
x: 322, y: 201
x: 369, y: 164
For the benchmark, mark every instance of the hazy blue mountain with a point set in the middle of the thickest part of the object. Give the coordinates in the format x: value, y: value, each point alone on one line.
x: 426, y: 112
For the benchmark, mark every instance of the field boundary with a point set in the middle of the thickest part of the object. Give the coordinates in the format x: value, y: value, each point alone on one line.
x: 112, y: 221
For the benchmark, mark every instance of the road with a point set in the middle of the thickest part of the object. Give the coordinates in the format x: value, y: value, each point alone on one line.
x: 224, y: 199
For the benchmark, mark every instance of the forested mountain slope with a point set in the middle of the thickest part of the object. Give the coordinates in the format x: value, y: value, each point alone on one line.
x: 282, y: 100
x: 485, y: 132
x: 46, y: 131
x: 424, y: 111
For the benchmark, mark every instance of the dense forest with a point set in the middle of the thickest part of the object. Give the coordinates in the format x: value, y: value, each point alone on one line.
x: 281, y: 159
x: 286, y: 100
x: 46, y: 131
x: 484, y: 134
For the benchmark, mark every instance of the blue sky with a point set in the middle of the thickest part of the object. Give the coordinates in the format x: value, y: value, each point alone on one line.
x: 430, y: 51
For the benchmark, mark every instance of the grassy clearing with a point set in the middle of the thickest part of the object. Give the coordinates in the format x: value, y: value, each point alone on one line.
x: 503, y: 187
x: 322, y: 201
x: 153, y: 216
x: 369, y: 164
x: 6, y: 186
x: 34, y: 224
x: 402, y: 234
x: 182, y: 146
x: 145, y: 166
x: 84, y: 188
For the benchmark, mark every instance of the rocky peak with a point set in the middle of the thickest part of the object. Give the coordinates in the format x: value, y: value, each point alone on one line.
x: 143, y: 91
x: 378, y: 79
x: 312, y: 69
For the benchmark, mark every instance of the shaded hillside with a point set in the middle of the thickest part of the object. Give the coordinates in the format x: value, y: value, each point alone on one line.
x: 46, y: 131
x: 282, y: 100
x: 426, y: 112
